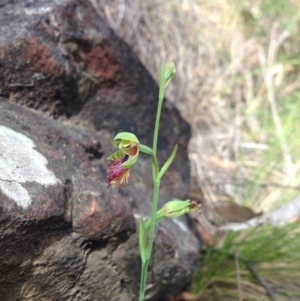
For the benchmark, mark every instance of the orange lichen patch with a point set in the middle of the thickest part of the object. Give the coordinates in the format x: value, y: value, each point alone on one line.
x: 40, y: 58
x: 102, y: 63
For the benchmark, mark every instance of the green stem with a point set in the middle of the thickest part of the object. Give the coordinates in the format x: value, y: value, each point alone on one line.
x: 156, y: 185
x: 143, y: 280
x: 162, y: 87
x: 153, y: 219
x: 155, y: 169
x: 150, y: 241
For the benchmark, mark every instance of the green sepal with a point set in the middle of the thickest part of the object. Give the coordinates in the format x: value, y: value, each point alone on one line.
x: 128, y: 137
x: 142, y: 240
x: 146, y: 149
x: 168, y: 163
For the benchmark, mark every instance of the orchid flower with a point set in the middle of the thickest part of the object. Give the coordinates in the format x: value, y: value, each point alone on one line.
x: 118, y: 173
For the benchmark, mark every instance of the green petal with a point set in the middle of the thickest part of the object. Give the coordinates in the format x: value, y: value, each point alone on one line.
x: 118, y: 154
x: 131, y: 161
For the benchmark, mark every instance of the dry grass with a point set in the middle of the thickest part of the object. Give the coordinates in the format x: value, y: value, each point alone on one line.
x: 237, y: 84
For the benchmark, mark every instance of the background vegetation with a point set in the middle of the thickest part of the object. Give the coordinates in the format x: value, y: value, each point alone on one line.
x: 238, y: 86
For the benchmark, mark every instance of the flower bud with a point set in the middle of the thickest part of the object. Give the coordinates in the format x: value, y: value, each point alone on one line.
x: 169, y: 72
x: 173, y: 209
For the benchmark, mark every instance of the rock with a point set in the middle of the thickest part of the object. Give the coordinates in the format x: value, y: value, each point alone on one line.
x: 68, y: 85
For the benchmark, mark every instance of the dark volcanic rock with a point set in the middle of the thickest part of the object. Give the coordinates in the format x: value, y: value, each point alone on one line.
x: 68, y: 85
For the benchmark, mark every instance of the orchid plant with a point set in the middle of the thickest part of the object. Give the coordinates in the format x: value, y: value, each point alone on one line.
x: 118, y: 174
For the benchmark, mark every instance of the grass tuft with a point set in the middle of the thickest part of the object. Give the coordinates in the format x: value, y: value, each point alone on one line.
x: 269, y: 266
